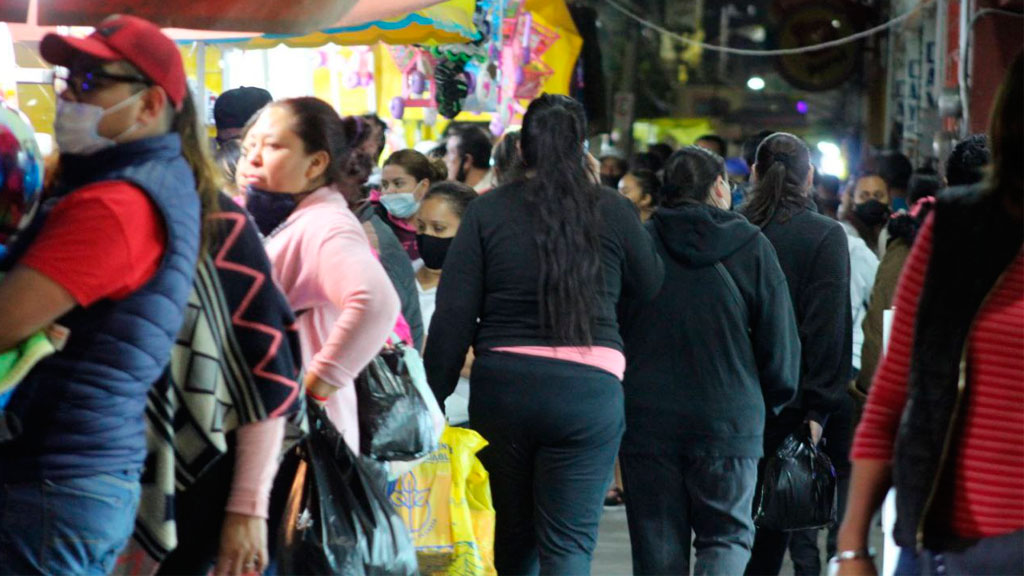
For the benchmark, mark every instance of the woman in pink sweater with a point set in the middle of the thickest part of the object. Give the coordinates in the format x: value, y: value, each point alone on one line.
x: 292, y: 155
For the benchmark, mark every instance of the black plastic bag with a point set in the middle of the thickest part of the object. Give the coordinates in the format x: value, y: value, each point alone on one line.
x: 338, y: 519
x: 394, y: 420
x: 10, y: 426
x: 799, y: 487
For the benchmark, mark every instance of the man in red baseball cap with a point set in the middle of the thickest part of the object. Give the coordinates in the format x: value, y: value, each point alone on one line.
x: 111, y: 256
x: 127, y: 78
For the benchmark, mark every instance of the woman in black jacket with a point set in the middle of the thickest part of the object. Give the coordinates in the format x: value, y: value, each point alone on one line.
x: 812, y: 250
x: 716, y: 349
x: 541, y: 262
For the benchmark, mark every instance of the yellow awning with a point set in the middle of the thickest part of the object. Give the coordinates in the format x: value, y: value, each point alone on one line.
x: 450, y: 22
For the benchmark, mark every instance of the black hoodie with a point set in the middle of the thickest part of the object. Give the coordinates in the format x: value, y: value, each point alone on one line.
x: 717, y: 345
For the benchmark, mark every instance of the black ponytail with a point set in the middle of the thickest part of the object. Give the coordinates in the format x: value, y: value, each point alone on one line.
x: 564, y: 201
x: 690, y: 174
x: 782, y: 165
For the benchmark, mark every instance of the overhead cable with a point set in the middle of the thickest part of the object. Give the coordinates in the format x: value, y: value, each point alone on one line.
x: 778, y: 52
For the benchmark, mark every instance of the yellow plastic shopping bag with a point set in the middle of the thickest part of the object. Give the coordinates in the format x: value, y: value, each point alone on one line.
x: 446, y: 504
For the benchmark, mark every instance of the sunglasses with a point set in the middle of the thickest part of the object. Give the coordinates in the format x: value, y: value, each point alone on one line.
x: 82, y: 82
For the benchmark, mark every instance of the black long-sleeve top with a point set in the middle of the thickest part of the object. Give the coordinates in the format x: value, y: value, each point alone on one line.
x: 488, y: 295
x: 814, y: 256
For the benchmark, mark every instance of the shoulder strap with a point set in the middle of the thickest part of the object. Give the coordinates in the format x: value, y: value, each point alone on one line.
x: 734, y: 290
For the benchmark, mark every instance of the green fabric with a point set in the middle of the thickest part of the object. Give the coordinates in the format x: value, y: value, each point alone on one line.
x: 16, y: 363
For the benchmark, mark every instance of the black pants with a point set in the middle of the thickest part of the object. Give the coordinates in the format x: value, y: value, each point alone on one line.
x: 671, y: 495
x: 553, y: 429
x: 804, y: 552
x: 199, y: 515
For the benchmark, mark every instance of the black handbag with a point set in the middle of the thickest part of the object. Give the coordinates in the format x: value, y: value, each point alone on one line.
x: 395, y: 423
x: 338, y: 519
x: 799, y: 487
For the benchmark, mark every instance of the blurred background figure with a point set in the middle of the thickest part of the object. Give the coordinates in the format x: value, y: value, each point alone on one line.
x: 508, y: 159
x: 233, y: 109
x: 967, y: 161
x: 826, y: 195
x: 643, y: 188
x: 713, y: 142
x: 613, y: 168
x: 895, y: 168
x: 468, y: 157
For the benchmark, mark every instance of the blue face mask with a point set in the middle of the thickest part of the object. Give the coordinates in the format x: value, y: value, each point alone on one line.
x: 269, y: 209
x: 401, y: 204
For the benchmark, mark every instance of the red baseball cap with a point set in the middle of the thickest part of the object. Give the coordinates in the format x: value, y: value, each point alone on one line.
x: 127, y: 38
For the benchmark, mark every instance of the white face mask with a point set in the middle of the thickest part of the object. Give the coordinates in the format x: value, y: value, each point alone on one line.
x: 77, y: 124
x: 725, y: 201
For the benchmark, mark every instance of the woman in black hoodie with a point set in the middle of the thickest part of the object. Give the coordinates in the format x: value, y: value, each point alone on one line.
x: 715, y: 351
x: 812, y: 250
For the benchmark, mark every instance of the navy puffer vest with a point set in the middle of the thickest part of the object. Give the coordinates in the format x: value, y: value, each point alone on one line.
x: 83, y: 408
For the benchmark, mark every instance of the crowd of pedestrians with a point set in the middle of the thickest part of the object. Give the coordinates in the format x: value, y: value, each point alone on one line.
x: 657, y: 315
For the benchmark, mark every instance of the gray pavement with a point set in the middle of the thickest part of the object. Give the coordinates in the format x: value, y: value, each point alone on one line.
x: 612, y: 557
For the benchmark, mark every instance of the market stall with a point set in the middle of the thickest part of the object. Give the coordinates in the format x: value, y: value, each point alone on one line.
x: 462, y: 60
x: 445, y: 62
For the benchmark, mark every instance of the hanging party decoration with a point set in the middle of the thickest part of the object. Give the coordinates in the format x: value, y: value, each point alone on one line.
x: 530, y: 41
x: 452, y: 87
x: 418, y: 87
x: 359, y: 68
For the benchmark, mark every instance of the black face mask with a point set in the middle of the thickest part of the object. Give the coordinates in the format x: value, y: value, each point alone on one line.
x: 873, y: 213
x: 269, y: 209
x: 610, y: 180
x: 433, y: 250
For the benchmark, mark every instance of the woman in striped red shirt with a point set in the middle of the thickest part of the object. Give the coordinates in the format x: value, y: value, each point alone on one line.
x: 944, y: 421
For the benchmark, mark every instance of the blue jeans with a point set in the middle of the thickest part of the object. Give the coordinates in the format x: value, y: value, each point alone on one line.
x: 67, y: 526
x: 908, y: 564
x: 995, y: 555
x: 669, y: 496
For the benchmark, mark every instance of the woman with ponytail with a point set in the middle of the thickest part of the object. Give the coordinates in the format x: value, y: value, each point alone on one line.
x: 812, y: 250
x: 531, y: 281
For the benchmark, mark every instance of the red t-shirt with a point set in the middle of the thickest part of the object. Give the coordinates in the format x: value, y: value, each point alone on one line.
x: 103, y: 241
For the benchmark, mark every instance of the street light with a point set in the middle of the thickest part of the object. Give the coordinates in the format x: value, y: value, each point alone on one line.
x: 832, y: 161
x: 755, y: 83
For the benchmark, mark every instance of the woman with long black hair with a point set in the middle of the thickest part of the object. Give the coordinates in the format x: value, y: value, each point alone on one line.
x: 542, y: 262
x: 812, y: 250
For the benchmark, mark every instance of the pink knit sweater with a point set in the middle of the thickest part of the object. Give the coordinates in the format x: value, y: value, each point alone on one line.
x: 346, y: 308
x: 345, y: 303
